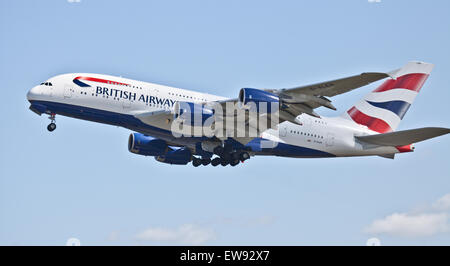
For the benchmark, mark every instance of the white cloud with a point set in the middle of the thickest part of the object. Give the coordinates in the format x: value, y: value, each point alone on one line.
x: 426, y: 221
x: 443, y: 204
x: 374, y: 1
x: 410, y: 225
x: 74, y: 1
x: 184, y: 234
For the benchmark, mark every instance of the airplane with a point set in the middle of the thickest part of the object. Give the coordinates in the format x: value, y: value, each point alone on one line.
x: 296, y: 129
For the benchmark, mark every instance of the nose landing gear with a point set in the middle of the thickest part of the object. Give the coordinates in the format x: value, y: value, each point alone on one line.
x: 52, y: 125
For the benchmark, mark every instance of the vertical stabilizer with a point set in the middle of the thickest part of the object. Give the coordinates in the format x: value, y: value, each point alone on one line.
x: 384, y: 108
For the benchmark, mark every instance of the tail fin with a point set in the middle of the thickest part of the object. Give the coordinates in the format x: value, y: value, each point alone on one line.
x: 384, y: 108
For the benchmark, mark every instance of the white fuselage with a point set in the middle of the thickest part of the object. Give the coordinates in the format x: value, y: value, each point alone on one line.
x: 105, y: 94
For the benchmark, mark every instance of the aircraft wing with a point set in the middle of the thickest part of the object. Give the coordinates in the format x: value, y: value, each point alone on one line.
x: 305, y: 99
x: 334, y: 87
x: 160, y: 119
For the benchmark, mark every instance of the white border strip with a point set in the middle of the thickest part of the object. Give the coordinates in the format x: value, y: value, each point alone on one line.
x: 392, y: 95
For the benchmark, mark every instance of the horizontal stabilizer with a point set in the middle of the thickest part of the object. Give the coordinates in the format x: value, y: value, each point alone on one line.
x: 405, y: 137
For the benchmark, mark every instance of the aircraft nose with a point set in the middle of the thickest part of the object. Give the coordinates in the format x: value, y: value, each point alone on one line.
x: 33, y: 93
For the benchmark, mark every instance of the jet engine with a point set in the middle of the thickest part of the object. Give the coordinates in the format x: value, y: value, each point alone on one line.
x: 145, y: 145
x: 258, y: 100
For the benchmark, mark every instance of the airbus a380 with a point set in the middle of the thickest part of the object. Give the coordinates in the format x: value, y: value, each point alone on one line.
x: 150, y: 110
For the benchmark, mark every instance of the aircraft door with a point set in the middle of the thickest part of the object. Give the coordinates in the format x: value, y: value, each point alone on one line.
x: 51, y: 91
x: 68, y: 91
x: 283, y: 130
x: 330, y: 139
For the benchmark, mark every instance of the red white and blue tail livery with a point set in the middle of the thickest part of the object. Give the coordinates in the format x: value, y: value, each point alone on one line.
x: 179, y: 126
x: 384, y: 108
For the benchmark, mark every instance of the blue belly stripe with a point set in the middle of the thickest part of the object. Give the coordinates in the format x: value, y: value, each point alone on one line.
x: 132, y: 123
x: 286, y: 150
x: 115, y: 119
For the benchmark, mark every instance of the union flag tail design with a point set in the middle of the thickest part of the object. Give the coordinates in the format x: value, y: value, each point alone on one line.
x: 384, y: 108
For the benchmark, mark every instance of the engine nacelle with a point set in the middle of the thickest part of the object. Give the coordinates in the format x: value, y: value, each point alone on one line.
x: 258, y: 100
x: 192, y: 114
x: 144, y: 145
x: 180, y: 156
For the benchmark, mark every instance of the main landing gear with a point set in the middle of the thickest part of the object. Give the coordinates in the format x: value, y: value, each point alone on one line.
x: 224, y: 159
x: 52, y: 125
x: 203, y: 161
x: 228, y: 156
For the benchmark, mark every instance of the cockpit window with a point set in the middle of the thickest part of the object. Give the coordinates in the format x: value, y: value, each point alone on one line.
x: 46, y: 83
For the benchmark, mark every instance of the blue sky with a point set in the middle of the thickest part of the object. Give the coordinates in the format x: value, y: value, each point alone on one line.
x: 81, y: 181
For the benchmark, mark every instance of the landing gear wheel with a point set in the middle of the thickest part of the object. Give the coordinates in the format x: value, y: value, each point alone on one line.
x: 234, y: 162
x: 196, y: 162
x: 215, y: 161
x: 244, y: 156
x: 223, y: 162
x: 206, y: 161
x: 51, y: 127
